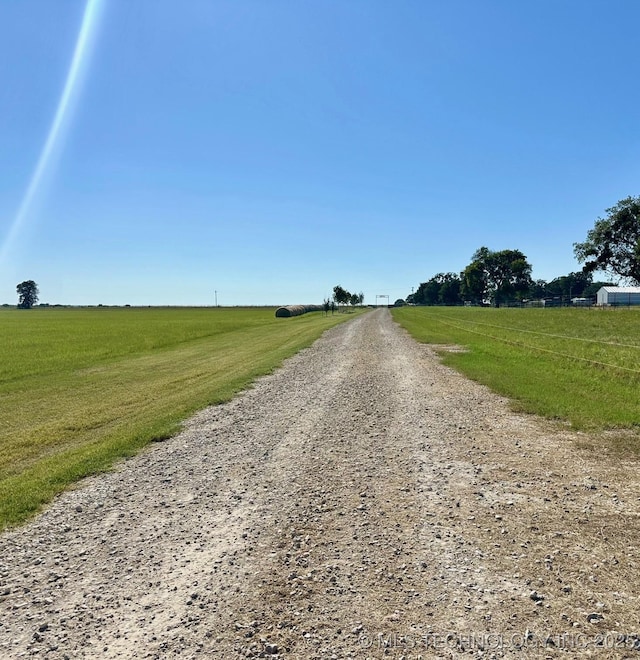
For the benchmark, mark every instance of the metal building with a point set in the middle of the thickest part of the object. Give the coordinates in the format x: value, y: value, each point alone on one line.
x: 618, y: 295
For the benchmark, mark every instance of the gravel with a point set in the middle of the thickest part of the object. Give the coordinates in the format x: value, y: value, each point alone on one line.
x: 363, y: 501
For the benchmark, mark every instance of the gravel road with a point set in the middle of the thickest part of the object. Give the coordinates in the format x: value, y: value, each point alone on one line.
x: 363, y: 501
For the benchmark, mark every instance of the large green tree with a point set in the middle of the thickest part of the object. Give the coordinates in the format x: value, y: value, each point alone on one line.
x: 441, y: 289
x: 496, y: 276
x: 613, y: 245
x: 27, y: 294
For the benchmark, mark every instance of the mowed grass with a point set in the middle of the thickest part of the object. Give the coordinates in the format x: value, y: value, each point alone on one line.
x: 80, y: 388
x: 576, y: 365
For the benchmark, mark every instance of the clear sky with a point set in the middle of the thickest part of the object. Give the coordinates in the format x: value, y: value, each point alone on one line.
x: 270, y: 149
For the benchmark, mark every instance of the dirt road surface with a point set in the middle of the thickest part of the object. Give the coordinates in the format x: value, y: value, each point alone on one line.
x: 363, y: 501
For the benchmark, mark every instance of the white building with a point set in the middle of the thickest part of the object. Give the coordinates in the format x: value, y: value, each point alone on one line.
x: 618, y: 295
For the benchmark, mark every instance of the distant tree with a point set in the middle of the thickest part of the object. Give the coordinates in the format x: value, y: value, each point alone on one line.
x: 571, y: 285
x: 441, y: 289
x: 537, y: 290
x: 449, y: 293
x: 326, y: 306
x: 594, y: 287
x: 578, y: 282
x: 417, y: 298
x: 399, y: 303
x: 474, y: 283
x: 360, y: 298
x: 341, y: 296
x: 497, y: 276
x: 613, y: 245
x: 555, y: 287
x: 27, y: 294
x: 428, y: 292
x: 354, y: 299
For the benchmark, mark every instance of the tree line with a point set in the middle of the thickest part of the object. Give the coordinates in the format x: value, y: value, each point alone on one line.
x: 611, y: 247
x: 342, y: 297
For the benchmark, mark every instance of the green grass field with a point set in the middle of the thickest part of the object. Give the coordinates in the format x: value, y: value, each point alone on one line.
x: 576, y: 365
x: 80, y: 388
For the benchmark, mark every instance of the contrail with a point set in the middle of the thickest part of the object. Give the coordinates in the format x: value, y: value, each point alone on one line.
x: 69, y: 92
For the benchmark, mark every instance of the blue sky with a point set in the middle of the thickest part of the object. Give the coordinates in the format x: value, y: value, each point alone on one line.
x: 269, y: 149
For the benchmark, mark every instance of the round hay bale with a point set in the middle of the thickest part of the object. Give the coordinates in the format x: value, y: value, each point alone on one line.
x: 296, y: 310
x: 283, y: 312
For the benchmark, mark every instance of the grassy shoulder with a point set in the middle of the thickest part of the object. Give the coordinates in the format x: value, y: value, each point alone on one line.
x: 80, y: 388
x: 575, y: 365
